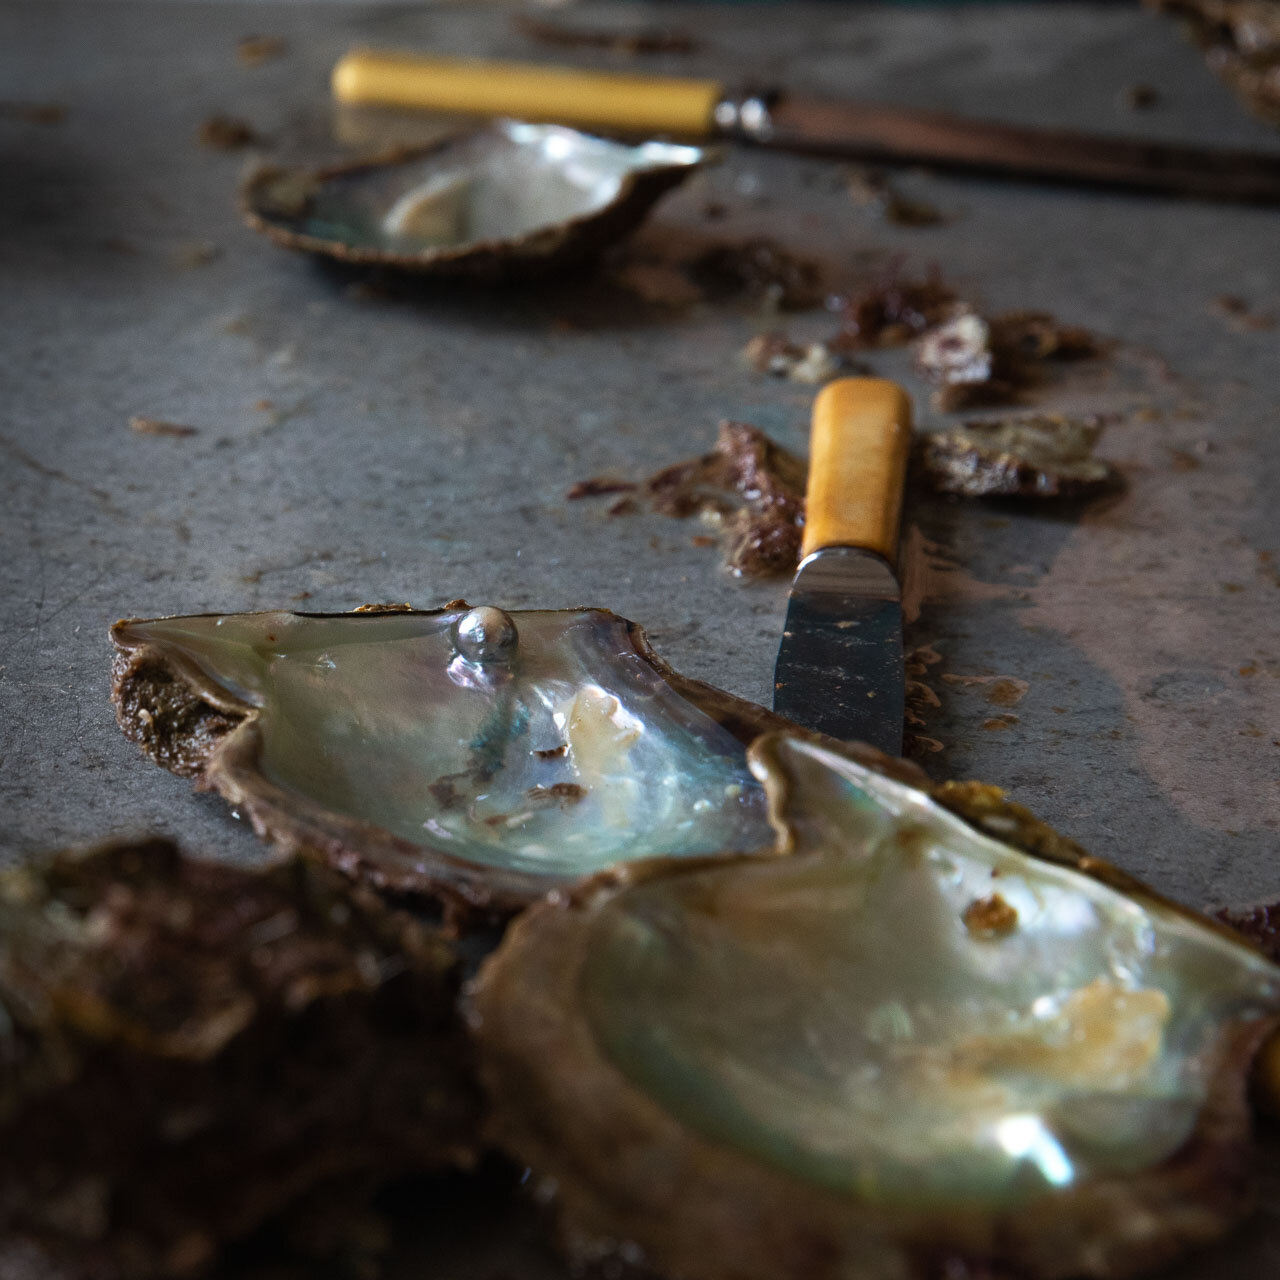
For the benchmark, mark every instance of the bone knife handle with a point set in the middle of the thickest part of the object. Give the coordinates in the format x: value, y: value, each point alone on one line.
x: 592, y: 99
x: 858, y: 447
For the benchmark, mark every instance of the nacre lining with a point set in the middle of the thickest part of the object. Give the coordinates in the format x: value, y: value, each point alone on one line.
x: 907, y: 1010
x: 499, y: 184
x: 574, y: 757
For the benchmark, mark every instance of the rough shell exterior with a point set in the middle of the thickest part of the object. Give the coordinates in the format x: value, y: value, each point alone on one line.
x: 188, y: 1048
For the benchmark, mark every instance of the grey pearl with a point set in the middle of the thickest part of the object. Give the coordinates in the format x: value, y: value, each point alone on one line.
x: 485, y: 634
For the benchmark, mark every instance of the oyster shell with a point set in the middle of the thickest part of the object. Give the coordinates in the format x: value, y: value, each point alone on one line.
x: 189, y: 1048
x: 1035, y: 456
x: 906, y: 1046
x: 432, y: 750
x: 508, y: 199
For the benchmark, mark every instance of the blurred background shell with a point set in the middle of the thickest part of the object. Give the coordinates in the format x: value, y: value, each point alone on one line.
x: 508, y: 199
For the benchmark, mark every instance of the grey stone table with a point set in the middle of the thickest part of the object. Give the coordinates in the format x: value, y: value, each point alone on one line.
x: 354, y: 448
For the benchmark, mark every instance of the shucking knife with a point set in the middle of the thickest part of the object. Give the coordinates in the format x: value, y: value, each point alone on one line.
x: 840, y: 662
x: 613, y: 101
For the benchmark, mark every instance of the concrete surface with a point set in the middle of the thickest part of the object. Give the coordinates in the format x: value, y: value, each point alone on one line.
x: 351, y: 448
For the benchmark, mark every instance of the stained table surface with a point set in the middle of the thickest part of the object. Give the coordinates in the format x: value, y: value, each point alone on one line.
x: 352, y: 447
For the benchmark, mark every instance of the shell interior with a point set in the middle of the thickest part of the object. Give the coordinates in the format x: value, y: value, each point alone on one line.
x: 576, y: 755
x: 909, y: 1011
x: 501, y: 184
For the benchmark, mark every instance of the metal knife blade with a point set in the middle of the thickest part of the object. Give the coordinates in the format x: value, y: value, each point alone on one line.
x: 839, y: 665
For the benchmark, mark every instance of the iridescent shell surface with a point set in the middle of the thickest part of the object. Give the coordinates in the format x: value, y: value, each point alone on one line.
x: 502, y: 200
x: 911, y: 1035
x: 929, y: 1012
x: 392, y: 738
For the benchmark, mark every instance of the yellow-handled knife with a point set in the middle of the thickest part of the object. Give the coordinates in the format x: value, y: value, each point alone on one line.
x: 840, y: 665
x: 611, y: 101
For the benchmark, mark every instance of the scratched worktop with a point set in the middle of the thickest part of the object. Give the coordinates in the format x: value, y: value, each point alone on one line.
x: 350, y: 447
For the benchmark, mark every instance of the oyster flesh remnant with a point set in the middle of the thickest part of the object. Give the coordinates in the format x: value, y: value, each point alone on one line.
x: 892, y: 309
x: 907, y: 1047
x: 748, y: 485
x: 958, y: 355
x: 485, y: 756
x: 189, y: 1048
x: 776, y: 354
x: 975, y: 360
x: 505, y: 200
x: 1037, y: 456
x: 749, y: 488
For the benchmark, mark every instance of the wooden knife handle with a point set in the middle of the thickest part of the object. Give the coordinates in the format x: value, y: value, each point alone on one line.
x: 858, y: 448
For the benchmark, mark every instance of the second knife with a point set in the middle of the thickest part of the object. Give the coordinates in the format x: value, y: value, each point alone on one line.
x: 705, y: 109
